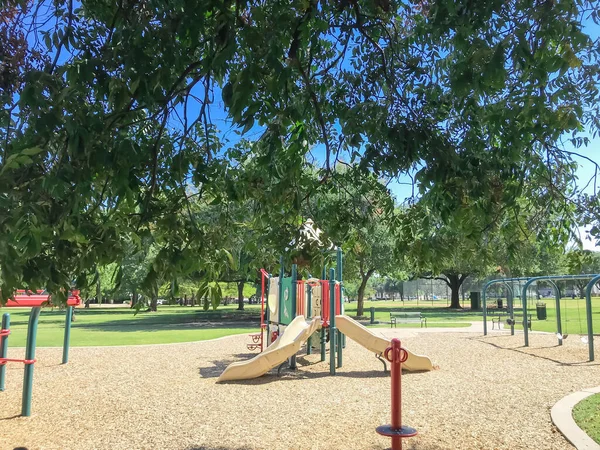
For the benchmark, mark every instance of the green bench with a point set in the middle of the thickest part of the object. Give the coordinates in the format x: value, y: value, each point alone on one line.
x: 407, y: 317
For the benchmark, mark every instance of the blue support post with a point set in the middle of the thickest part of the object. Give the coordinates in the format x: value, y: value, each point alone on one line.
x: 30, y: 356
x: 4, y: 347
x: 67, y: 339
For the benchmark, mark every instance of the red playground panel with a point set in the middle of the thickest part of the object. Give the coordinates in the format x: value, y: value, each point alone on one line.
x: 24, y: 300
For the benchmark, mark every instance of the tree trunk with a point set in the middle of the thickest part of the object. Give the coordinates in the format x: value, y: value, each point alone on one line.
x: 98, y: 288
x: 154, y: 303
x: 360, y: 307
x: 240, y: 287
x: 455, y: 281
x: 134, y: 298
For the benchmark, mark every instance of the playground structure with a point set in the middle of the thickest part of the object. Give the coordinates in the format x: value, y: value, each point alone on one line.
x: 551, y: 279
x: 296, y: 311
x: 34, y: 301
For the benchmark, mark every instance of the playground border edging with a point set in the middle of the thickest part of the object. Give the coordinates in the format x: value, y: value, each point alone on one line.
x: 562, y: 416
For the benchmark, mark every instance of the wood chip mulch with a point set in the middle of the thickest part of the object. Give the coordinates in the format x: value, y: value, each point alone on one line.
x: 489, y: 393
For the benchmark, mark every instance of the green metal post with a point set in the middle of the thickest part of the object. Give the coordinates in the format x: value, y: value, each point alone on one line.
x: 524, y: 302
x: 339, y: 268
x: 323, y: 350
x: 280, y: 287
x: 341, y: 338
x: 332, y: 329
x: 4, y: 348
x: 588, y: 313
x: 67, y: 340
x: 558, y: 317
x: 29, y: 355
x: 293, y: 364
x: 511, y: 308
x: 267, y: 314
x: 323, y: 343
x: 308, y: 315
x: 484, y: 306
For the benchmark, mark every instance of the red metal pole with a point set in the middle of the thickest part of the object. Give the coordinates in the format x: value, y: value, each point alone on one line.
x: 396, y: 393
x: 396, y: 355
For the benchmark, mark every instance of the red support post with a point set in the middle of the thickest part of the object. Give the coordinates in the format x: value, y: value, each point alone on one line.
x: 396, y: 355
x: 325, y: 302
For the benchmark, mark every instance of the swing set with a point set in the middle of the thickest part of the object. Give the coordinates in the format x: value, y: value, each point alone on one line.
x: 550, y: 279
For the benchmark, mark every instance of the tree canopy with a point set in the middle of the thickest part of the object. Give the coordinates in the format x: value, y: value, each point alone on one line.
x: 115, y: 118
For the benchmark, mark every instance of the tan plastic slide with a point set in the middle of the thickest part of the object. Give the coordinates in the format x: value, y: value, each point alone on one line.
x: 377, y: 344
x: 284, y: 347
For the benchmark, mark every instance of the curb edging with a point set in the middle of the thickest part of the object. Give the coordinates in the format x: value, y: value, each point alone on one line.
x: 562, y: 416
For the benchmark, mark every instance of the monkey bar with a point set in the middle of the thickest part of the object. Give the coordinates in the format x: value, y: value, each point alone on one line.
x: 35, y: 301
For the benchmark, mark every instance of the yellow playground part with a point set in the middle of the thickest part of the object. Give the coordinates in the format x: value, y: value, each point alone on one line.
x: 377, y: 343
x: 284, y: 347
x: 298, y: 331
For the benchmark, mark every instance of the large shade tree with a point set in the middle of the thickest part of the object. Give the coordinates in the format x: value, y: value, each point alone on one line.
x: 109, y: 112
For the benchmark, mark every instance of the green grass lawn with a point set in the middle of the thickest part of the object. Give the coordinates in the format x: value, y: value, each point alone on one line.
x: 573, y: 315
x: 117, y: 326
x: 437, y: 312
x: 587, y: 415
x: 573, y: 318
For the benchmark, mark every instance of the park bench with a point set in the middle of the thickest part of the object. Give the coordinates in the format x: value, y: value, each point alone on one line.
x: 407, y: 317
x: 497, y: 319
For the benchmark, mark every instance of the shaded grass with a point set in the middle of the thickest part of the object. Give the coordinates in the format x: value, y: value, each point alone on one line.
x: 587, y: 415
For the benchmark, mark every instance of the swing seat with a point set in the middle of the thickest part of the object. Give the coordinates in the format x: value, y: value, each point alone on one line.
x: 519, y: 320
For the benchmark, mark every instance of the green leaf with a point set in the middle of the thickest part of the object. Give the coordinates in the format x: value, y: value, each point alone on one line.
x: 32, y: 151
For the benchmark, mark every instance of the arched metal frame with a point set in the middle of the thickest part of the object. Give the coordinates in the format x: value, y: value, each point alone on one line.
x: 588, y: 313
x: 510, y: 299
x: 594, y: 279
